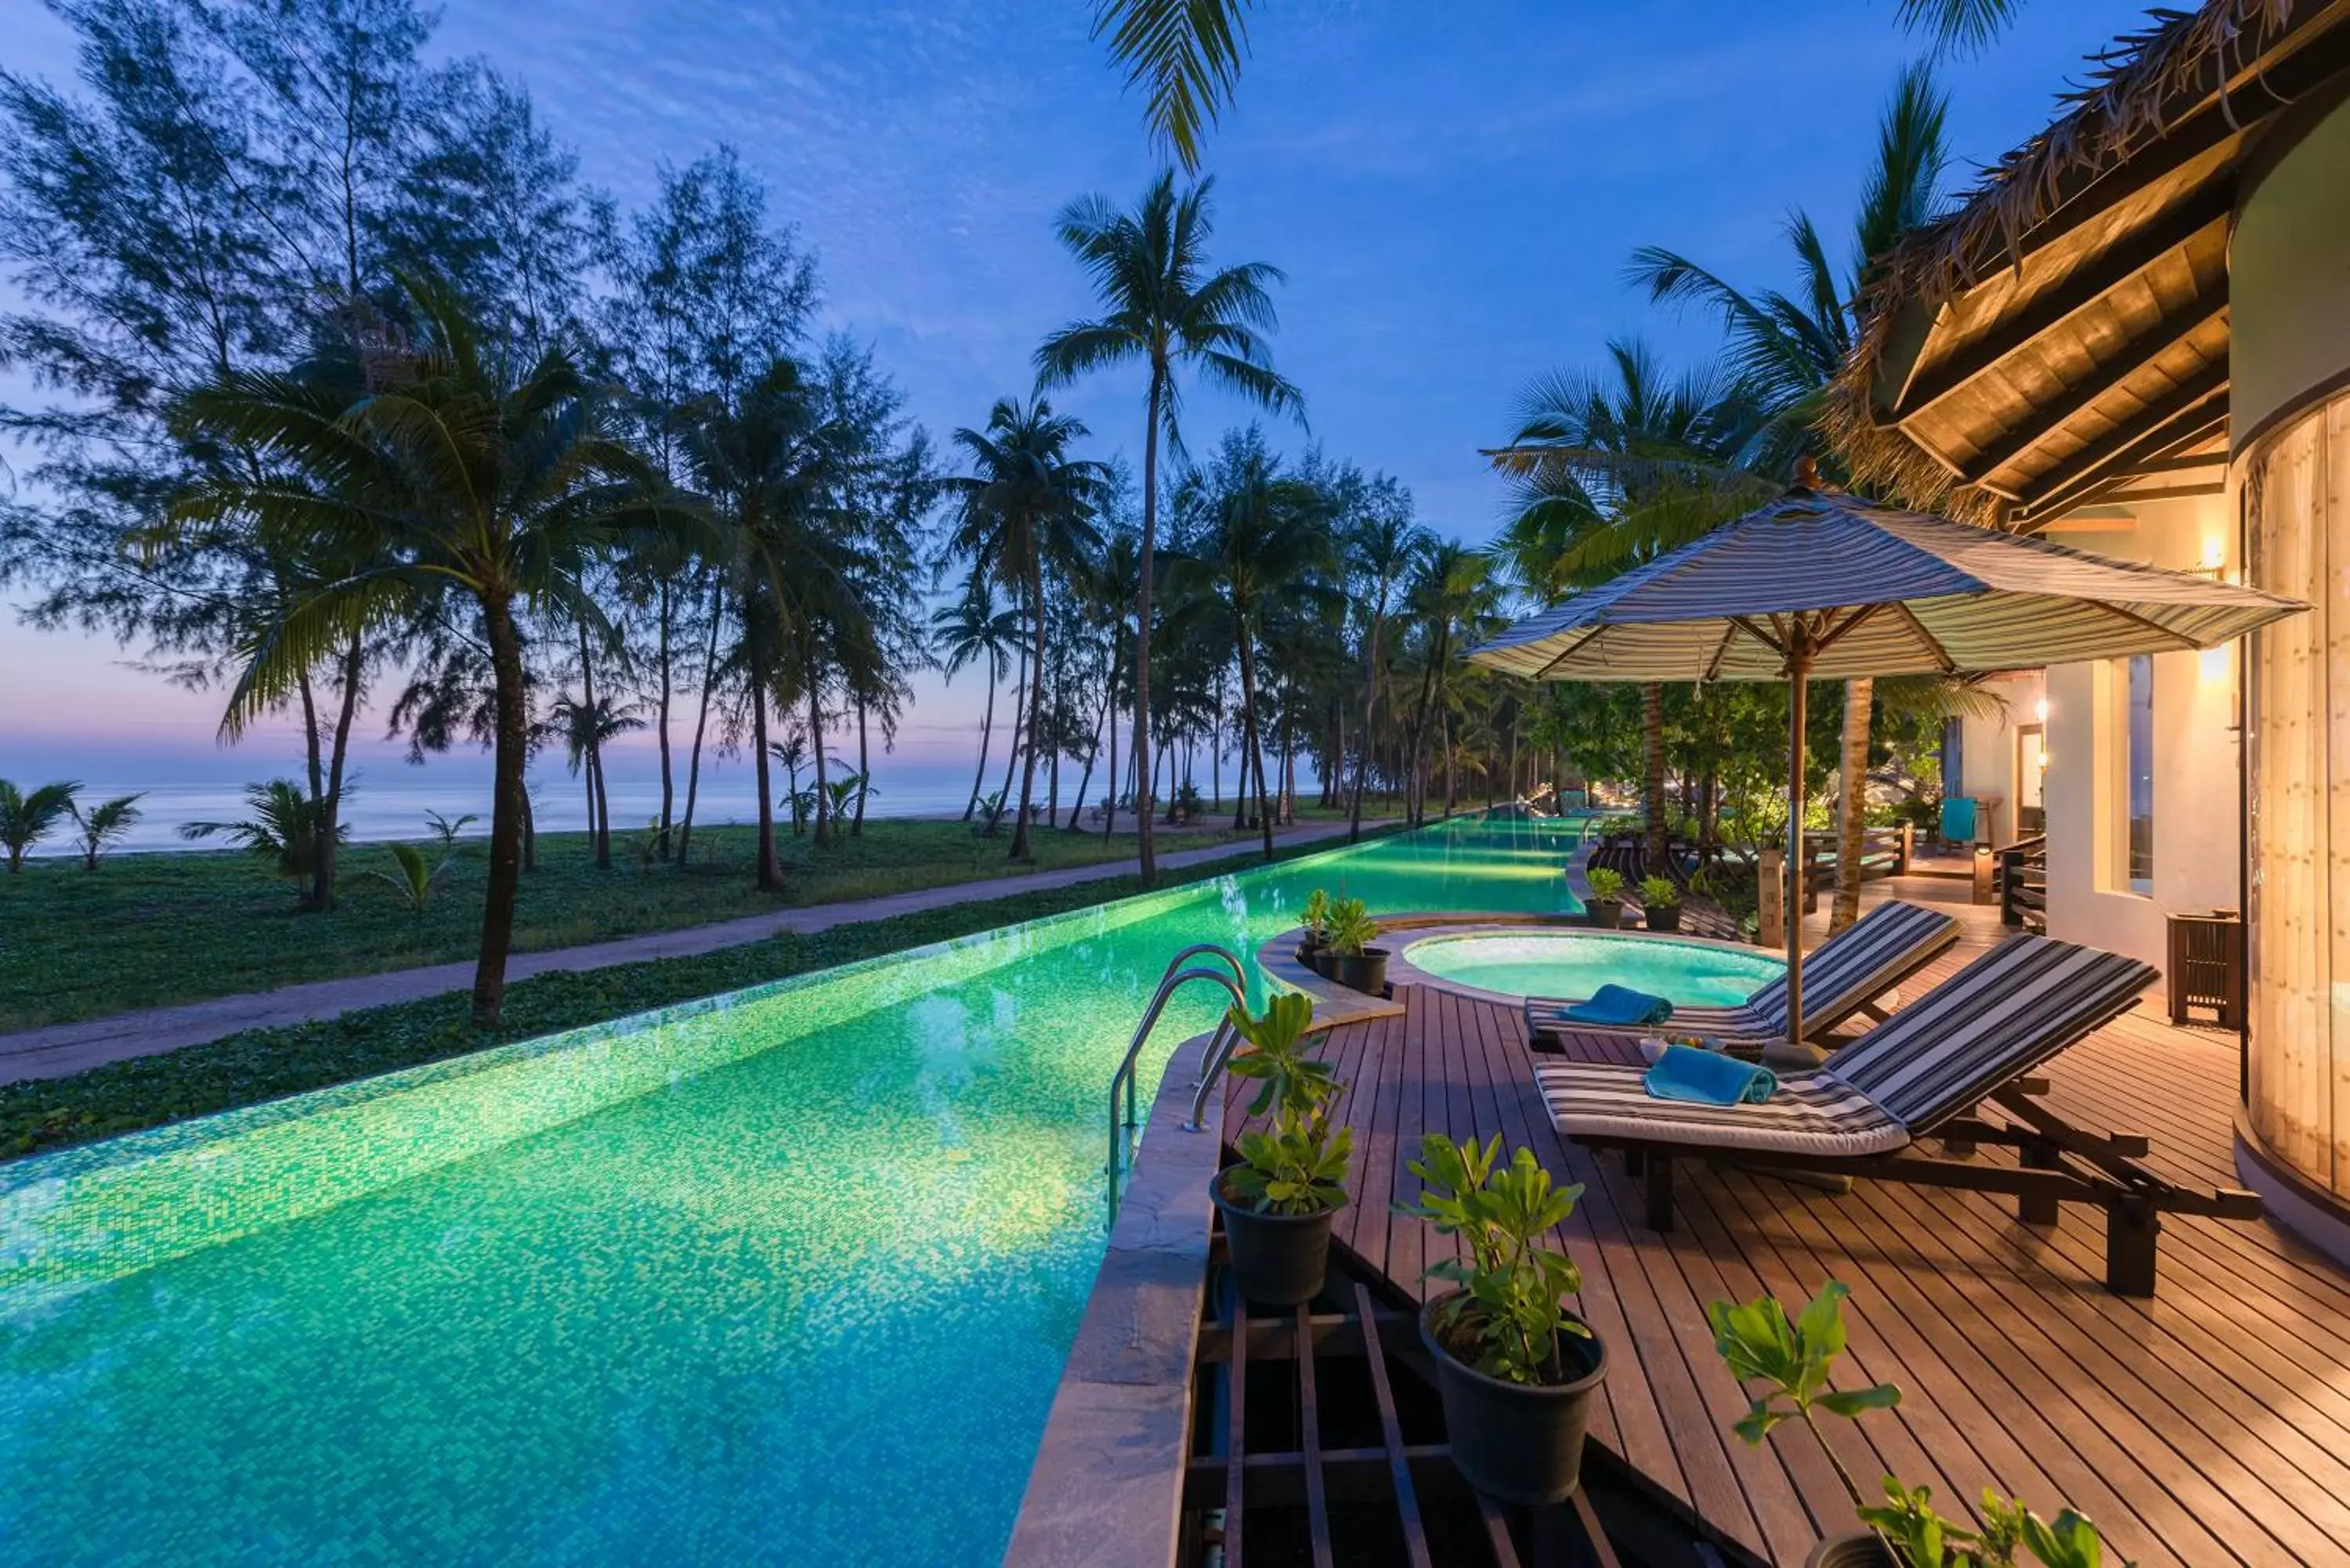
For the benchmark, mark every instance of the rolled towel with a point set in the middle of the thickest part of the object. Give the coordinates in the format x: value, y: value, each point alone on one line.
x: 1620, y: 1006
x: 1708, y: 1078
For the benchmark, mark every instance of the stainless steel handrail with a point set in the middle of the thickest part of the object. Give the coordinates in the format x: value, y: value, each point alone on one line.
x: 1235, y: 980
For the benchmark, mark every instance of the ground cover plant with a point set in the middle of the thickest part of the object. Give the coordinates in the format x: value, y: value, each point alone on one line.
x: 147, y: 931
x: 266, y: 1063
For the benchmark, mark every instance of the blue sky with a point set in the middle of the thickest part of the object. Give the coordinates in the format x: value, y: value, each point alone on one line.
x: 1453, y: 190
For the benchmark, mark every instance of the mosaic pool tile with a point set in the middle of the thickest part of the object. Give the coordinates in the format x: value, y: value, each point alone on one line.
x: 786, y: 1275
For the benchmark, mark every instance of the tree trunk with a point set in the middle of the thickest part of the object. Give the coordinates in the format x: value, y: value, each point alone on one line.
x: 1152, y: 406
x: 1859, y: 698
x: 660, y: 729
x: 986, y: 733
x: 330, y: 806
x: 864, y: 772
x: 816, y: 744
x: 1020, y: 718
x: 507, y: 805
x: 1363, y: 750
x: 1250, y: 740
x: 597, y: 834
x: 1084, y: 779
x: 1020, y: 846
x: 1652, y: 727
x: 700, y: 721
x: 771, y: 871
x: 1109, y: 817
x: 529, y: 834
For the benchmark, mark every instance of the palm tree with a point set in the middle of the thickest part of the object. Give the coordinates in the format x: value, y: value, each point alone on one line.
x: 1264, y: 534
x: 105, y: 825
x: 1163, y: 308
x: 1026, y: 504
x: 1788, y: 348
x: 283, y: 830
x: 470, y: 471
x: 1451, y: 599
x: 771, y: 467
x: 970, y: 631
x: 25, y: 818
x: 586, y: 729
x: 1616, y: 470
x: 1382, y: 547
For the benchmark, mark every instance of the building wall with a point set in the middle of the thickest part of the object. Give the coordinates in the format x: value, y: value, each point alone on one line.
x: 2289, y: 326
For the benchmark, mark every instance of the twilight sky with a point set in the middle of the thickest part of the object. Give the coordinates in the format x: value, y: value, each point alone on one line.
x: 1453, y: 190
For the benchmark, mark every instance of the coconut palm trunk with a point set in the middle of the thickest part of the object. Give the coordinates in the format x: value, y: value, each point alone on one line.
x: 1021, y: 849
x: 330, y: 814
x: 1155, y: 407
x: 700, y: 722
x: 507, y: 805
x: 986, y: 735
x: 1363, y: 748
x: 1859, y: 702
x: 771, y: 871
x: 661, y: 728
x: 816, y: 744
x: 864, y: 771
x: 1253, y: 739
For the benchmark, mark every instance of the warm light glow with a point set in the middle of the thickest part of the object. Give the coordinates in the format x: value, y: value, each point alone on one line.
x: 2040, y: 709
x: 2215, y: 554
x: 2213, y: 663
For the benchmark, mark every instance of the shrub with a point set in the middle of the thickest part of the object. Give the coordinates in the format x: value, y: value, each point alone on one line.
x: 25, y: 819
x: 1511, y: 1307
x: 1604, y: 883
x: 105, y: 825
x: 1658, y: 893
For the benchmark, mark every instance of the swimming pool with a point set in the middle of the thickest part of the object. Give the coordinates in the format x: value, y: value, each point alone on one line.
x: 788, y: 1275
x: 1574, y: 964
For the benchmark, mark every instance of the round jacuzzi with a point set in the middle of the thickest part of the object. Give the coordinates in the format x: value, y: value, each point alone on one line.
x: 1574, y: 964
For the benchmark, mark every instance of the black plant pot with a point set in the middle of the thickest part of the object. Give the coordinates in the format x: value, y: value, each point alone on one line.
x: 1366, y: 971
x: 1605, y: 913
x: 1278, y: 1260
x: 1665, y: 918
x: 1516, y: 1442
x: 1309, y: 953
x: 1862, y: 1549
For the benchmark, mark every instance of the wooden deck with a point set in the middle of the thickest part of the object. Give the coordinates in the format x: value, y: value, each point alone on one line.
x: 2209, y: 1424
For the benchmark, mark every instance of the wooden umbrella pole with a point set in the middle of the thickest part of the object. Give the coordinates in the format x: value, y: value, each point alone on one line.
x: 1799, y: 675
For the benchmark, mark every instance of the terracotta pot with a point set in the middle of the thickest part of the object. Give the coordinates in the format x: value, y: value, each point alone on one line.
x: 1278, y: 1260
x: 1516, y: 1442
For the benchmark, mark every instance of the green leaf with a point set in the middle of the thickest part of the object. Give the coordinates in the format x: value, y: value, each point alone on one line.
x: 1849, y: 1402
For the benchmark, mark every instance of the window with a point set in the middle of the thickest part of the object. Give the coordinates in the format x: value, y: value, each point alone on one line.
x: 2137, y: 803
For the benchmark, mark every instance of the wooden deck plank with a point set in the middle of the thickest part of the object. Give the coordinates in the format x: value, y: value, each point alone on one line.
x: 2209, y: 1424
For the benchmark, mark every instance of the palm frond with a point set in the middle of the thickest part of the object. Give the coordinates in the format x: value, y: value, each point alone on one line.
x: 1185, y: 57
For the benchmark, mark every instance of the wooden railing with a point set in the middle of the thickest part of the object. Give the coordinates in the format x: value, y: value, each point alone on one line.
x: 1884, y: 851
x: 2023, y: 884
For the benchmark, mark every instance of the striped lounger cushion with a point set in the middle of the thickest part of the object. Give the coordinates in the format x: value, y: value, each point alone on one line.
x: 1601, y: 1102
x: 1851, y: 969
x: 1997, y: 1019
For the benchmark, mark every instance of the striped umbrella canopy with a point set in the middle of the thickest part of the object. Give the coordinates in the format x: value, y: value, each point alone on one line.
x: 1818, y: 585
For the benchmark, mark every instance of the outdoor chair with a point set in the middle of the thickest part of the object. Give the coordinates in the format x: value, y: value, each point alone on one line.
x: 1849, y: 974
x: 1924, y: 1074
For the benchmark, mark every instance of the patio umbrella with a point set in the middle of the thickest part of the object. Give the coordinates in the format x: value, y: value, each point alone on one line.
x: 1819, y: 584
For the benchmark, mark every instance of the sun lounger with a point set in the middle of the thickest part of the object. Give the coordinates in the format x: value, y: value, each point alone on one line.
x: 1925, y: 1074
x: 1848, y: 975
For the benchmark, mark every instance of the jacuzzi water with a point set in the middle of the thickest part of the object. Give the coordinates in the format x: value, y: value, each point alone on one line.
x: 1574, y: 964
x: 784, y: 1276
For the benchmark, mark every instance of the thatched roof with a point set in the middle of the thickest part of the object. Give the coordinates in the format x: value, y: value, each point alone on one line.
x: 2067, y: 321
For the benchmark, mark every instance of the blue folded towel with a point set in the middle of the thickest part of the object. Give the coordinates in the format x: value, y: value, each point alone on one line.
x: 1708, y: 1078
x: 1620, y: 1004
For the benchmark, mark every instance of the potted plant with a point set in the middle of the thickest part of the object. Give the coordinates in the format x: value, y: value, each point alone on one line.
x: 1277, y: 1203
x: 1314, y: 925
x: 1605, y: 906
x: 1661, y: 903
x: 1790, y: 1358
x: 1516, y: 1371
x: 1347, y: 935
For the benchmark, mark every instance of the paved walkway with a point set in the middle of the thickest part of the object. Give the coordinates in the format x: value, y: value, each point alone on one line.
x: 63, y: 1049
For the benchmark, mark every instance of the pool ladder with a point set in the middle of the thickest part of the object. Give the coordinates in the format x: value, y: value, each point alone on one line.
x: 1123, y: 1117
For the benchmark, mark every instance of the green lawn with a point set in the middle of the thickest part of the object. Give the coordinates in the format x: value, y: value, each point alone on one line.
x: 147, y: 931
x: 267, y: 1063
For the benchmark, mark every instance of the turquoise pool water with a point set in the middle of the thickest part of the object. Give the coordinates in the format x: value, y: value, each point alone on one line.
x: 784, y: 1276
x: 1577, y: 963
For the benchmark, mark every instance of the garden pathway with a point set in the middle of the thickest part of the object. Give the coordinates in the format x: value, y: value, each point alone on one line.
x: 60, y: 1050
